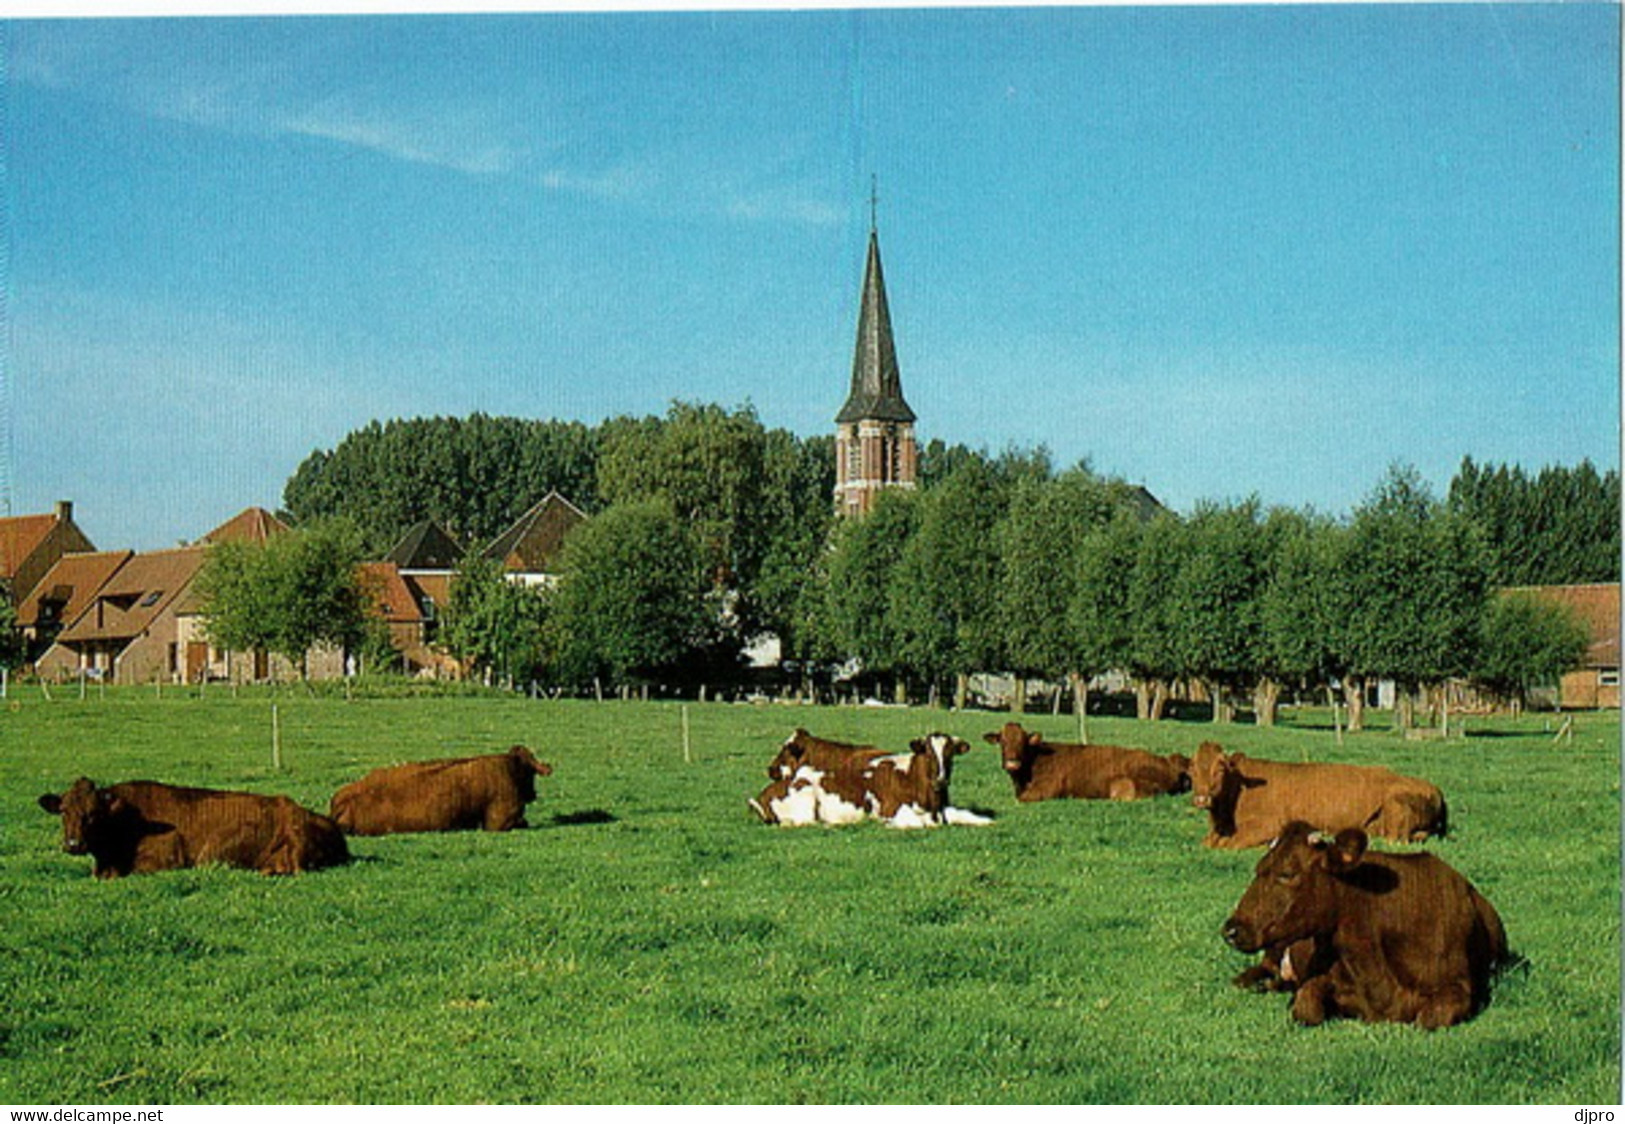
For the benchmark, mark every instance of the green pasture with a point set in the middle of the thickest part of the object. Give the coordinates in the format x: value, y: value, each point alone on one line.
x: 647, y: 940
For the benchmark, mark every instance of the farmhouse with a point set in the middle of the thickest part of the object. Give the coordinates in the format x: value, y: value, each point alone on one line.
x: 1596, y: 684
x: 62, y: 596
x: 31, y: 544
x: 130, y: 629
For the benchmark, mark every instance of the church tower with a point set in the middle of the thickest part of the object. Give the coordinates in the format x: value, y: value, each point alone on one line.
x: 874, y: 432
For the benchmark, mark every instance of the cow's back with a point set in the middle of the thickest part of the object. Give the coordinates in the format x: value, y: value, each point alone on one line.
x: 186, y: 827
x: 1096, y: 772
x: 448, y: 795
x: 1331, y: 797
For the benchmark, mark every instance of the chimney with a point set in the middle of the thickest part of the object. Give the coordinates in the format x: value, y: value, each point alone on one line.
x: 64, y: 511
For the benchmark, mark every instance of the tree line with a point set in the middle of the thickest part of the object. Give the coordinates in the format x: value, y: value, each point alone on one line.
x: 710, y: 530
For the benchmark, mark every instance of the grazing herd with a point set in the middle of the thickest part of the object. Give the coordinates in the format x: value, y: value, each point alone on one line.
x: 1349, y: 932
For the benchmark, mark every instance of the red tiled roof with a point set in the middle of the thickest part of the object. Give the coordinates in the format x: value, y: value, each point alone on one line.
x: 252, y: 524
x: 388, y: 594
x: 71, y: 583
x: 20, y: 536
x: 142, y: 589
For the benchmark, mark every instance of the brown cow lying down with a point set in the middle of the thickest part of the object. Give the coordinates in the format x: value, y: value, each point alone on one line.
x: 464, y: 793
x: 1410, y: 939
x: 141, y: 826
x: 903, y: 790
x: 802, y: 748
x: 1250, y: 801
x: 1044, y: 770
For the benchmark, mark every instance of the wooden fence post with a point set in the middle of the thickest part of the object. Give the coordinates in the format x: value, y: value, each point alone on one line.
x: 276, y: 739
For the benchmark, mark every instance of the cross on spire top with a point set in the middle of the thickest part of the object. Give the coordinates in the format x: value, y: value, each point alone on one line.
x: 874, y: 201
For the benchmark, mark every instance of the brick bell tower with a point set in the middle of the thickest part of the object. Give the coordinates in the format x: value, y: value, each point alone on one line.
x: 874, y: 432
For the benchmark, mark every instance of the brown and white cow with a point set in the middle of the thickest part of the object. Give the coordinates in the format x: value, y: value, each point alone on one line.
x: 1410, y: 939
x: 138, y: 827
x: 1249, y: 801
x: 1043, y: 770
x: 903, y: 790
x: 464, y: 793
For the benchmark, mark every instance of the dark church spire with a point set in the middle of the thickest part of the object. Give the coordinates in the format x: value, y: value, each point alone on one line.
x: 877, y: 388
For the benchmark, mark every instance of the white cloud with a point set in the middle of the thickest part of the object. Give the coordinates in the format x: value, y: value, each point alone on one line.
x: 448, y: 143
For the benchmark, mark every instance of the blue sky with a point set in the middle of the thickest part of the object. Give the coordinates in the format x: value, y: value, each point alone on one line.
x: 1215, y: 250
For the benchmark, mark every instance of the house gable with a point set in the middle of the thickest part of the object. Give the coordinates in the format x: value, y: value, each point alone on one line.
x: 533, y: 544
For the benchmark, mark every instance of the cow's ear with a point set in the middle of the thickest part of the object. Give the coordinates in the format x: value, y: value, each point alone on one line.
x: 1346, y: 851
x: 1035, y: 738
x: 52, y: 803
x: 991, y: 739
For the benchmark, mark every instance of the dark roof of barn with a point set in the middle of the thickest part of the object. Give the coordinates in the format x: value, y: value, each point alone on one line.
x: 877, y: 388
x: 532, y: 544
x: 427, y: 546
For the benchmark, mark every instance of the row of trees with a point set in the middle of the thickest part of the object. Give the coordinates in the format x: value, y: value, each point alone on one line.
x: 1066, y: 580
x: 710, y: 530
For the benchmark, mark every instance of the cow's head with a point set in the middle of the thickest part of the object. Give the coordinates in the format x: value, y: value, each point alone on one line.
x: 524, y: 769
x: 523, y: 753
x: 789, y: 757
x: 945, y: 748
x: 1015, y: 744
x: 85, y: 811
x: 1207, y: 773
x: 1293, y: 895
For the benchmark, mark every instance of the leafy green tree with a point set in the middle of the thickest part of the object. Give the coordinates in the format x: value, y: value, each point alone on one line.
x: 1300, y: 607
x: 797, y: 517
x: 1213, y: 606
x: 635, y: 601
x: 1527, y: 642
x: 1039, y: 540
x: 1558, y: 527
x: 1417, y: 579
x: 287, y: 595
x: 1154, y: 657
x: 474, y: 475
x: 943, y: 596
x: 494, y: 626
x: 707, y: 464
x: 865, y: 554
x: 1099, y: 617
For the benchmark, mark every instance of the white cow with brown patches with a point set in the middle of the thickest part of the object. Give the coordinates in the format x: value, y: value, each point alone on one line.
x: 905, y: 790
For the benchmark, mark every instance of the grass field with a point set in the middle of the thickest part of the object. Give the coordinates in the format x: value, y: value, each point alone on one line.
x: 648, y: 941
